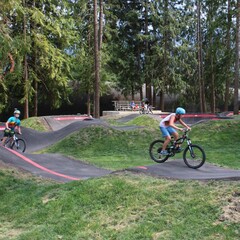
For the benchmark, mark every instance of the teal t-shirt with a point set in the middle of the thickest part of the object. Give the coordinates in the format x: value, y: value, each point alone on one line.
x: 13, y: 122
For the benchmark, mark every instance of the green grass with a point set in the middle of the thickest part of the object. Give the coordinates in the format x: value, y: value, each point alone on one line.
x: 220, y: 140
x: 36, y: 123
x: 115, y: 149
x: 144, y: 121
x: 108, y: 148
x: 118, y: 207
x: 125, y: 206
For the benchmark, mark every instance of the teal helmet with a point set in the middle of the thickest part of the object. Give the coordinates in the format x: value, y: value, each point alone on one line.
x: 17, y: 112
x: 180, y: 111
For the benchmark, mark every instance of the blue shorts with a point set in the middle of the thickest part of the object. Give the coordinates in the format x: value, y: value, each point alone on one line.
x: 167, y: 131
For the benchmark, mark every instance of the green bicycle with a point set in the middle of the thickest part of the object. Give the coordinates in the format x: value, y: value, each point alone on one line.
x: 193, y: 155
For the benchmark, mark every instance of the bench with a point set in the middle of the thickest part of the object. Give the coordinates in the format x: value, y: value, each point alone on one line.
x: 124, y: 105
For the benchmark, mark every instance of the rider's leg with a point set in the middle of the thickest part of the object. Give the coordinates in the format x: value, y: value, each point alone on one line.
x: 167, y: 136
x: 6, y: 135
x: 176, y: 136
x: 166, y: 142
x: 4, y: 140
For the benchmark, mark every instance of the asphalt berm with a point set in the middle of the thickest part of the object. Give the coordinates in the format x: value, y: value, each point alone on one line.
x: 64, y: 169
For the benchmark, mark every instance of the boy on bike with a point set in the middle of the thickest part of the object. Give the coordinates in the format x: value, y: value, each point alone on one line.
x: 12, y: 124
x: 168, y: 127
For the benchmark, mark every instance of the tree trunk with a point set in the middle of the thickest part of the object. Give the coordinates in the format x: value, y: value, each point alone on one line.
x: 96, y: 66
x: 35, y: 110
x: 147, y: 79
x: 212, y: 53
x: 213, y: 102
x: 100, y: 28
x: 227, y: 85
x: 200, y: 60
x: 25, y: 68
x: 165, y: 53
x: 88, y: 103
x: 89, y: 87
x: 161, y: 94
x: 236, y: 82
x: 141, y: 93
x: 132, y: 92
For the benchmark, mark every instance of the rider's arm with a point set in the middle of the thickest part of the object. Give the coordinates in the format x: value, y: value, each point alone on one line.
x: 7, y: 127
x: 184, y: 124
x: 19, y: 129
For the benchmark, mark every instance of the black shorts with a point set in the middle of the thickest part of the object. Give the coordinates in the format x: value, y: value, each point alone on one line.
x: 8, y: 133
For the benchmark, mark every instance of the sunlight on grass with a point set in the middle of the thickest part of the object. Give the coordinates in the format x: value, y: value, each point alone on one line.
x: 128, y: 207
x: 36, y: 123
x: 145, y: 121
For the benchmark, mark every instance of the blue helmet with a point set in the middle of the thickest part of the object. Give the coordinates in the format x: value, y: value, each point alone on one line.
x: 180, y: 111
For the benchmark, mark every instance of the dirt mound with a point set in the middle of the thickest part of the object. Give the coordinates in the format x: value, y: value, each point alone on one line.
x: 231, y: 212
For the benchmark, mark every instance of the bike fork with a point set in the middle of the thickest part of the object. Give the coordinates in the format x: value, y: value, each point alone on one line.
x: 191, y: 149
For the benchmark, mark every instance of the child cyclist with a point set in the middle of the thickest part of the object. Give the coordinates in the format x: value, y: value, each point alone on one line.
x: 168, y: 127
x: 12, y: 124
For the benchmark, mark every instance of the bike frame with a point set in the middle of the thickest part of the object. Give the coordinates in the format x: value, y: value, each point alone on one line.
x: 180, y: 140
x: 12, y: 140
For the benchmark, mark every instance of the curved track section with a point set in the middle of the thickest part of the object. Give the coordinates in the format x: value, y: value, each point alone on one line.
x: 64, y: 169
x: 53, y: 166
x: 176, y: 169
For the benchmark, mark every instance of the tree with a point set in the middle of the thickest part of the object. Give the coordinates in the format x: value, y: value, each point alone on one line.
x: 228, y: 55
x: 200, y: 60
x: 96, y: 61
x: 236, y: 82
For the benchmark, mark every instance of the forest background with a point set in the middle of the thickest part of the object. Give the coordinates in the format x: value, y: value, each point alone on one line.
x: 69, y: 54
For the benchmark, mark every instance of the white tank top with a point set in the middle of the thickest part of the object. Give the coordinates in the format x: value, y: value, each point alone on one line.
x: 166, y: 119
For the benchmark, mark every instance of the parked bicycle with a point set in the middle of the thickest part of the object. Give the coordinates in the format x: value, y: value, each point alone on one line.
x: 145, y: 109
x: 193, y: 155
x: 15, y: 143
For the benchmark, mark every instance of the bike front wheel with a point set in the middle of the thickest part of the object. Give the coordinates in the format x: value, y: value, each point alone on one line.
x: 19, y: 145
x: 194, y: 156
x: 155, y: 151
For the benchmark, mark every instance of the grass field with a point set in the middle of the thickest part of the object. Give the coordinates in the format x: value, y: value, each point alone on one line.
x: 123, y: 207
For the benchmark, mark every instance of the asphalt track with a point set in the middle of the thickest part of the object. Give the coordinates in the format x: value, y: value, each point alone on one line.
x: 64, y: 169
x: 52, y: 166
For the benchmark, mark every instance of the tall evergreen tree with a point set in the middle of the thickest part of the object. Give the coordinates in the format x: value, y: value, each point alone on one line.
x: 236, y: 82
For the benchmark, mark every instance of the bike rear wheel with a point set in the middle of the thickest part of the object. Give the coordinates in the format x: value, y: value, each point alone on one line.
x: 155, y: 150
x: 19, y: 145
x: 194, y: 156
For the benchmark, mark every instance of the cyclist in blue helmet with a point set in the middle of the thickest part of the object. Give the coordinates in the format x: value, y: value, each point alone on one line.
x: 168, y: 127
x: 12, y: 124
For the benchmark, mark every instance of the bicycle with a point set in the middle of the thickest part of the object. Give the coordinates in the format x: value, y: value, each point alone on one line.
x: 145, y: 109
x: 15, y: 143
x: 193, y: 155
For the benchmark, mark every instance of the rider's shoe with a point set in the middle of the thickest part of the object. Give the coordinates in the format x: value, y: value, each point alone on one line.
x: 164, y: 152
x: 178, y: 149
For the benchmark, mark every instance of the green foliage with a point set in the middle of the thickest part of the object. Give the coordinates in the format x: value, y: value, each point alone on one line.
x: 152, y: 42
